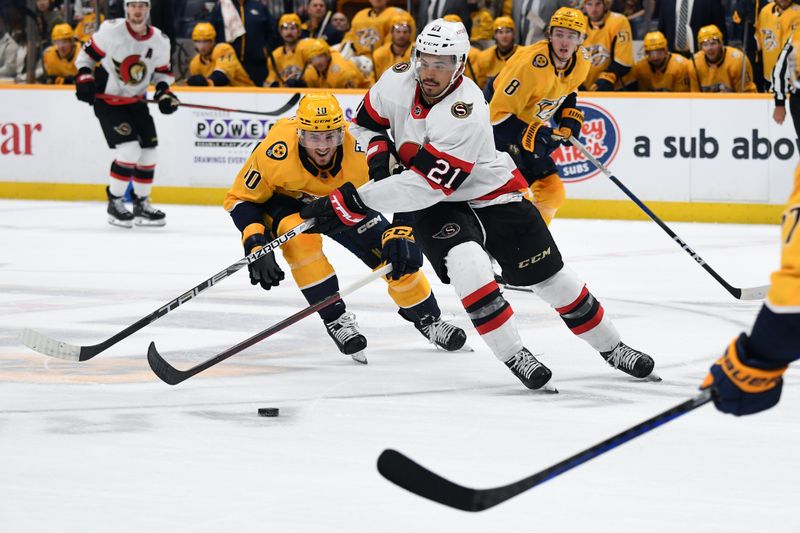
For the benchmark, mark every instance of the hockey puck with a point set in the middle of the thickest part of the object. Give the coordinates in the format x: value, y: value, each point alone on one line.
x: 268, y: 411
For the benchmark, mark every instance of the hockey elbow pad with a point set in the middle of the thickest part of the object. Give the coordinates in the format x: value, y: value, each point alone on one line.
x: 743, y: 385
x: 605, y: 82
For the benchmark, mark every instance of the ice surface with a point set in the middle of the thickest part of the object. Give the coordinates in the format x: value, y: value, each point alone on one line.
x: 104, y: 446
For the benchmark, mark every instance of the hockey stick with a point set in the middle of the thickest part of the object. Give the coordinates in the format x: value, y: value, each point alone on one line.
x: 172, y: 376
x: 415, y: 478
x: 752, y: 293
x: 47, y: 345
x: 131, y: 100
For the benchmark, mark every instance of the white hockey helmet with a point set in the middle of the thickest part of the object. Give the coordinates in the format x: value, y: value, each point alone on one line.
x: 136, y: 2
x: 443, y: 38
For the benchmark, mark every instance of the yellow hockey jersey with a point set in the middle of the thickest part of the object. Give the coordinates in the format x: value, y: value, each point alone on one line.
x: 607, y: 42
x: 723, y: 77
x: 368, y: 31
x: 471, y: 70
x: 384, y: 58
x: 56, y: 68
x: 530, y: 87
x: 87, y: 26
x: 341, y: 74
x: 490, y: 61
x: 674, y: 76
x: 784, y: 294
x: 773, y: 28
x: 223, y: 58
x: 290, y: 65
x: 277, y: 167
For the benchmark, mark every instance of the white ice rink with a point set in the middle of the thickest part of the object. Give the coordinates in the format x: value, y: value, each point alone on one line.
x: 105, y: 446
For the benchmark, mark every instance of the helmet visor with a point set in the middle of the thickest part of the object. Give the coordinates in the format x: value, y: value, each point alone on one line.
x: 321, y: 140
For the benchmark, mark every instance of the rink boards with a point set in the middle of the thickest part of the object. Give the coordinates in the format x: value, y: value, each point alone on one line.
x: 699, y: 158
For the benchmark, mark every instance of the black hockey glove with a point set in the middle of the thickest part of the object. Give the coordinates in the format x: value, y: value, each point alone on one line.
x: 378, y: 155
x: 85, y: 88
x: 539, y: 139
x: 339, y: 211
x: 197, y: 81
x: 167, y: 102
x: 264, y: 271
x: 401, y: 251
x: 605, y: 82
x: 295, y: 82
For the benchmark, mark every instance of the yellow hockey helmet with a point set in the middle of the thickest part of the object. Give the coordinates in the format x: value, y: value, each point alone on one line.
x: 289, y: 18
x: 708, y: 33
x: 314, y: 48
x: 654, y: 40
x: 568, y: 18
x: 452, y: 18
x: 203, y: 31
x: 403, y: 19
x: 503, y: 22
x: 319, y: 112
x: 62, y: 31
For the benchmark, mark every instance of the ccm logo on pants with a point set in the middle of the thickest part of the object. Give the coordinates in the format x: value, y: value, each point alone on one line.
x: 535, y: 259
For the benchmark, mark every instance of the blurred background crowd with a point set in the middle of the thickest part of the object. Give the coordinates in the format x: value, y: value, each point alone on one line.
x: 645, y: 45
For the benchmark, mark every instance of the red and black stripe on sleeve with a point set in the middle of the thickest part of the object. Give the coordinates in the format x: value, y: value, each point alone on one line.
x: 442, y: 171
x: 93, y: 50
x: 368, y: 117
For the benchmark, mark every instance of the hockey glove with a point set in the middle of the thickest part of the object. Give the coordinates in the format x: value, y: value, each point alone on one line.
x: 264, y: 271
x: 379, y: 155
x: 339, y: 211
x: 605, y: 82
x: 167, y: 102
x: 295, y: 82
x: 570, y: 124
x: 85, y: 88
x: 401, y: 251
x: 197, y: 81
x: 538, y: 139
x: 741, y: 385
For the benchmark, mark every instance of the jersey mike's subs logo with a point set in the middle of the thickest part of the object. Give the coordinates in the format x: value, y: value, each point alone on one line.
x: 131, y: 70
x: 600, y: 136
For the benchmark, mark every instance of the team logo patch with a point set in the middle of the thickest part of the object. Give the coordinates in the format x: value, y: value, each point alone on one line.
x: 131, y: 70
x: 123, y: 129
x: 461, y: 109
x: 401, y: 67
x: 599, y: 134
x: 450, y: 229
x: 278, y: 151
x: 539, y: 61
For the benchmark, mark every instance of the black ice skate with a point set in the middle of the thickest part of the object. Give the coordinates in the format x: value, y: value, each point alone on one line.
x: 118, y: 214
x: 530, y: 371
x: 146, y: 214
x: 350, y: 341
x: 631, y: 361
x: 441, y: 334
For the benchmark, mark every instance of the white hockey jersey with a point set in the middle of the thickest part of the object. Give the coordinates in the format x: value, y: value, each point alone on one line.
x: 132, y: 61
x: 448, y: 148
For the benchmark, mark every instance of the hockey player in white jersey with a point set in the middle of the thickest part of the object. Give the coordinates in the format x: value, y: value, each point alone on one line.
x: 131, y: 54
x: 468, y: 199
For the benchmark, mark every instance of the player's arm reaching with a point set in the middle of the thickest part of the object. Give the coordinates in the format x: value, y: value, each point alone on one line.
x: 245, y: 202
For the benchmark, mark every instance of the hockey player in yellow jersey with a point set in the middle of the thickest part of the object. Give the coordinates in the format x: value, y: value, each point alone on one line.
x: 719, y: 67
x: 776, y: 23
x: 490, y: 61
x: 748, y: 378
x: 398, y: 50
x: 287, y: 59
x: 659, y: 70
x: 327, y: 69
x: 87, y: 26
x: 304, y: 158
x: 538, y: 84
x: 58, y: 60
x: 610, y: 45
x: 372, y: 27
x: 215, y: 64
x: 471, y: 70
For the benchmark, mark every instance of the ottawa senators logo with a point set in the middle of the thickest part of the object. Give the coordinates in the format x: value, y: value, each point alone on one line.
x: 123, y: 129
x: 539, y: 61
x: 278, y: 151
x: 451, y: 229
x: 401, y: 67
x: 461, y: 109
x: 132, y: 70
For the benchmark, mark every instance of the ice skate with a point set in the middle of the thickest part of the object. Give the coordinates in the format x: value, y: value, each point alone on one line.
x: 118, y: 214
x: 350, y: 341
x: 631, y: 361
x: 145, y: 214
x: 530, y: 371
x: 441, y: 334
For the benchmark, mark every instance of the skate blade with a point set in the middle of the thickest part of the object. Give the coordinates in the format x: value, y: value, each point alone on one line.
x: 548, y: 389
x: 120, y: 223
x: 144, y: 222
x: 652, y: 377
x: 359, y: 357
x: 466, y: 348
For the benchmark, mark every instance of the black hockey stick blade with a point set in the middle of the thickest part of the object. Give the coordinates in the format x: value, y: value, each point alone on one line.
x: 274, y: 113
x: 172, y: 376
x: 46, y: 345
x: 749, y: 293
x: 415, y: 478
